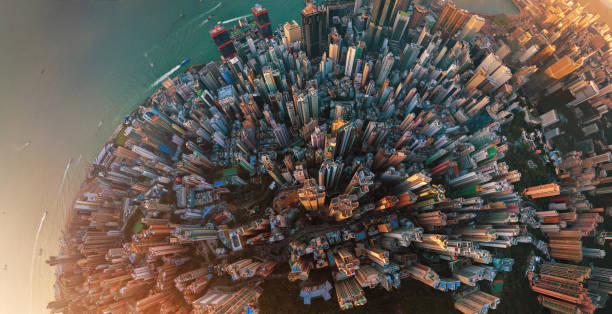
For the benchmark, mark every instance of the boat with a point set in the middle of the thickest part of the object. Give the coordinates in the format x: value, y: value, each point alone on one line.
x: 182, y: 15
x: 185, y: 61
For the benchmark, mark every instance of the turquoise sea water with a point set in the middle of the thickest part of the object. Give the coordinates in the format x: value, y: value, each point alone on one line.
x: 68, y: 66
x: 488, y: 6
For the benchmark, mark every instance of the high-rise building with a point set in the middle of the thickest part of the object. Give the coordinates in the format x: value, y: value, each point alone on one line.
x: 380, y: 19
x: 479, y: 76
x: 329, y: 173
x: 350, y: 61
x: 269, y: 79
x: 450, y: 20
x: 399, y: 6
x: 366, y: 71
x: 472, y: 27
x: 503, y: 50
x: 489, y: 64
x: 293, y: 31
x: 385, y: 69
x: 272, y: 169
x: 562, y: 67
x: 334, y: 52
x: 418, y: 15
x: 583, y: 91
x: 342, y: 206
x: 313, y: 100
x: 400, y: 26
x: 528, y: 53
x: 314, y: 30
x: 312, y: 195
x: 544, y: 53
x: 501, y: 75
x: 222, y: 39
x: 357, y: 6
x: 317, y: 138
x: 346, y: 136
x: 360, y: 183
x: 262, y: 20
x: 282, y: 135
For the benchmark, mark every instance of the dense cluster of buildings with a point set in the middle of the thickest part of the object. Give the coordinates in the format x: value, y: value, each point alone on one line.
x: 363, y: 146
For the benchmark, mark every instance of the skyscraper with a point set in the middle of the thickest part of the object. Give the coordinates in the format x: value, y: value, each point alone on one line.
x: 489, y: 64
x: 381, y: 17
x: 350, y: 61
x: 418, y: 15
x: 292, y: 31
x: 262, y: 20
x: 314, y: 30
x: 562, y: 67
x: 334, y: 52
x: 387, y: 65
x: 450, y: 20
x: 544, y: 53
x: 472, y: 27
x: 478, y: 77
x: 267, y: 74
x: 399, y: 26
x: 312, y: 195
x: 222, y: 39
x: 281, y: 134
x: 329, y: 173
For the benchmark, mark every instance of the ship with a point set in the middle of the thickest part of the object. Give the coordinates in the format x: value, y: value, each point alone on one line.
x: 185, y: 61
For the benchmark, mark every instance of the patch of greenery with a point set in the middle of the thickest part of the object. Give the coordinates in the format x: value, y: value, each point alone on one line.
x: 121, y: 138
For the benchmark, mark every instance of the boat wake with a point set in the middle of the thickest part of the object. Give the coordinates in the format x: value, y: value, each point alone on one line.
x: 212, y: 9
x: 23, y: 146
x: 64, y: 178
x: 218, y: 5
x: 165, y: 76
x: 235, y: 19
x: 40, y: 226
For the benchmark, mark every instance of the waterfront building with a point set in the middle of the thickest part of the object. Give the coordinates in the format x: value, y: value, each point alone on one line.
x: 223, y: 41
x: 262, y: 20
x: 292, y: 31
x: 314, y: 30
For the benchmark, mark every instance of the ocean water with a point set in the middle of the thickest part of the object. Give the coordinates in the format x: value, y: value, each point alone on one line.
x: 71, y: 70
x: 67, y: 67
x: 488, y: 6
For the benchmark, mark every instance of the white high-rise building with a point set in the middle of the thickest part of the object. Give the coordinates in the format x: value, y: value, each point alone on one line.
x: 350, y: 61
x: 472, y: 27
x: 528, y: 53
x: 385, y: 69
x: 490, y: 63
x: 502, y: 74
x: 334, y: 52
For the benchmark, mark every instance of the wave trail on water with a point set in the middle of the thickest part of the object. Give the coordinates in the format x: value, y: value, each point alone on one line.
x: 187, y: 25
x: 64, y: 178
x: 40, y: 225
x: 235, y: 19
x: 212, y: 9
x: 23, y: 146
x: 165, y: 76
